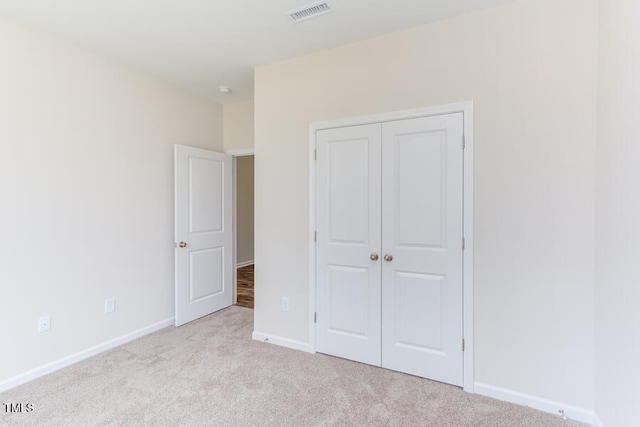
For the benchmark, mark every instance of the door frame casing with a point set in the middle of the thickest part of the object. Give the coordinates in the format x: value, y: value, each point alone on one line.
x: 466, y: 108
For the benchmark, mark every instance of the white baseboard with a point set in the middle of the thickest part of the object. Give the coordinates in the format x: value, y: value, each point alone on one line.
x: 244, y: 264
x: 541, y: 404
x: 282, y: 342
x: 81, y: 355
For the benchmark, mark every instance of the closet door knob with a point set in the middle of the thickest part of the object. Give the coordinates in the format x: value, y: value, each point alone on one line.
x: 388, y: 257
x: 373, y: 256
x: 182, y: 244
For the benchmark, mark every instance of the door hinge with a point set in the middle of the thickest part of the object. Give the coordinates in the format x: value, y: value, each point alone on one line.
x: 315, y: 317
x: 463, y: 243
x: 462, y: 344
x: 315, y: 236
x: 315, y: 154
x: 464, y: 143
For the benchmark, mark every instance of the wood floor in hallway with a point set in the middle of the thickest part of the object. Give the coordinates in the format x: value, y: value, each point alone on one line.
x: 245, y: 286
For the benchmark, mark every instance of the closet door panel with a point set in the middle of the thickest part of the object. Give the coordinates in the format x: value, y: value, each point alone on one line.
x: 348, y: 232
x: 422, y: 182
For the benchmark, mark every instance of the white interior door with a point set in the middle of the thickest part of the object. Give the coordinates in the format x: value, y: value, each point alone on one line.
x: 203, y: 232
x: 348, y: 233
x: 422, y: 210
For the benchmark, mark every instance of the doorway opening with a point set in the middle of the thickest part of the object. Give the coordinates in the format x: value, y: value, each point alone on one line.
x: 244, y: 228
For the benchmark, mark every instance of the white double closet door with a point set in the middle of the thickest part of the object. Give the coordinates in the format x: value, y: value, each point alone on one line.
x: 389, y: 245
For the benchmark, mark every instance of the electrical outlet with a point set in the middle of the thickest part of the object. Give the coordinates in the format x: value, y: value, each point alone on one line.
x: 44, y: 323
x: 109, y: 305
x: 284, y: 302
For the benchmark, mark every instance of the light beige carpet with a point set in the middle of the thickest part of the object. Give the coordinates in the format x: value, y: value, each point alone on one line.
x: 211, y: 373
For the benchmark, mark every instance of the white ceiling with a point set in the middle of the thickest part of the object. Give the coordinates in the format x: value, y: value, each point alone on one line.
x: 202, y: 44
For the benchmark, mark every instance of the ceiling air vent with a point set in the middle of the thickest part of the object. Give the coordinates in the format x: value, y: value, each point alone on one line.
x: 310, y: 11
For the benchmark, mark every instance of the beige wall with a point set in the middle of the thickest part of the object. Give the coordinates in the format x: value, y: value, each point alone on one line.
x: 618, y: 213
x: 86, y: 183
x: 238, y: 126
x: 532, y: 75
x: 244, y: 209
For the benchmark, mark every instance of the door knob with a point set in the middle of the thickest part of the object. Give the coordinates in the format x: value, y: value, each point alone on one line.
x: 388, y: 257
x: 182, y: 244
x: 373, y: 256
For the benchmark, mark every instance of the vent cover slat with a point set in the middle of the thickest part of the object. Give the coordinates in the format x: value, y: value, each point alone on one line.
x: 310, y: 11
